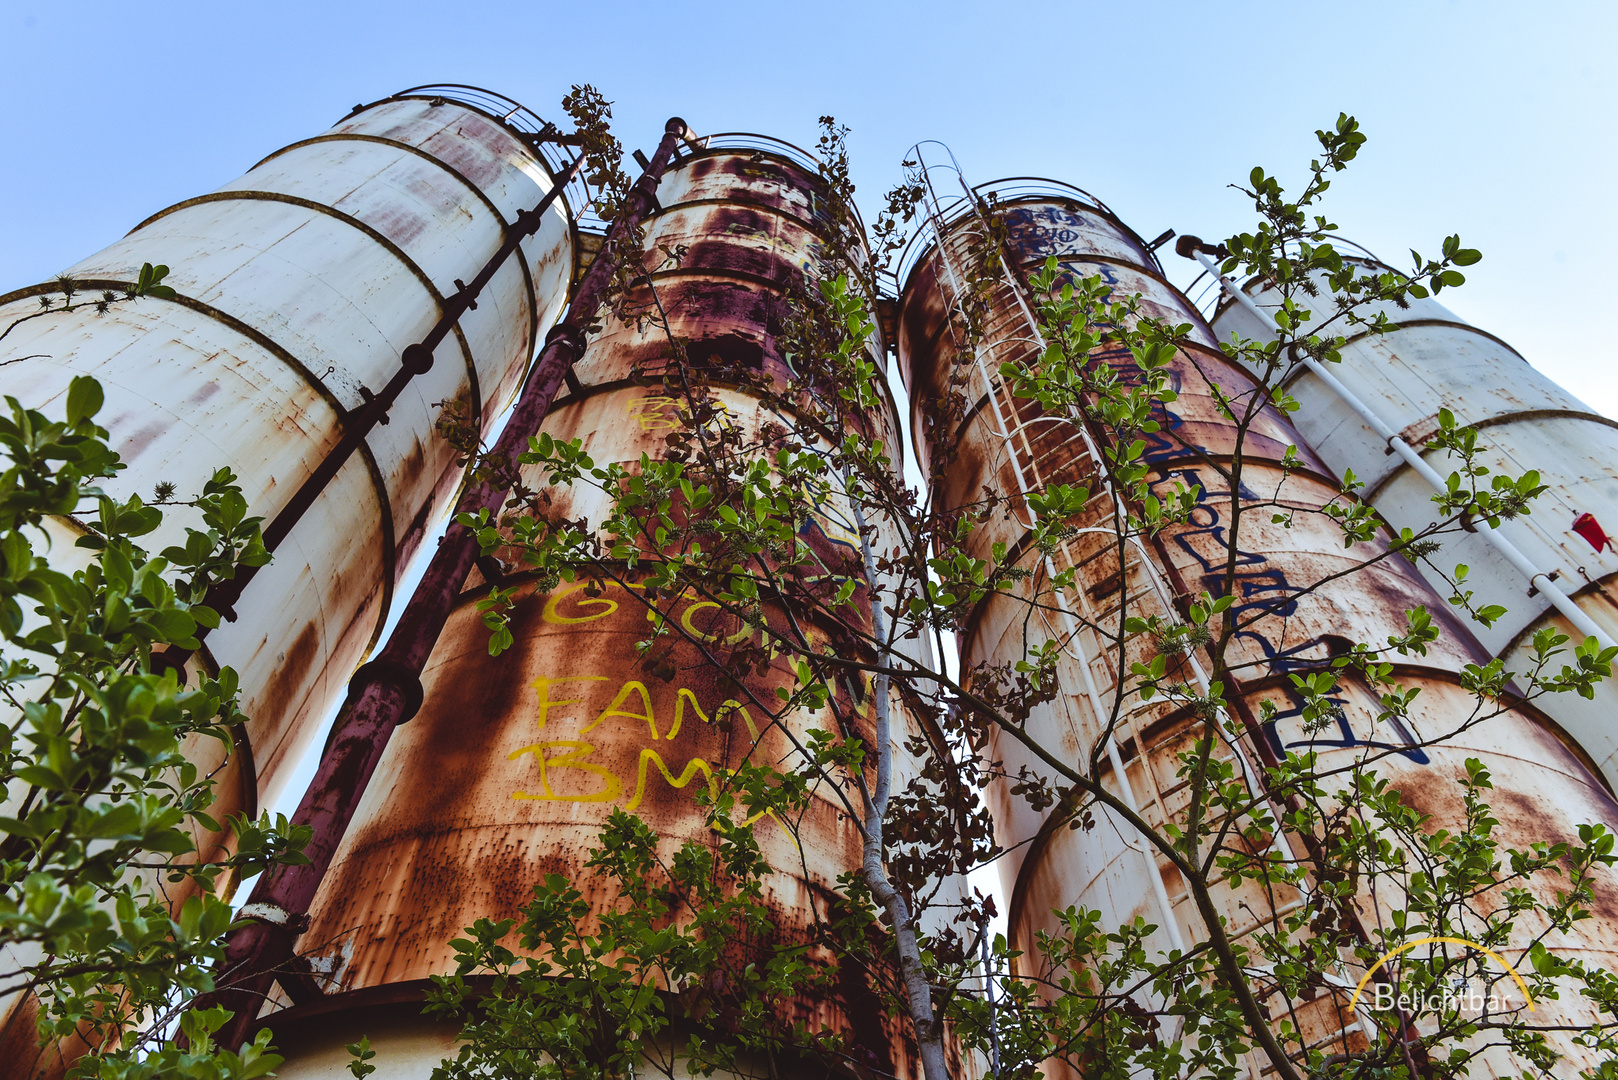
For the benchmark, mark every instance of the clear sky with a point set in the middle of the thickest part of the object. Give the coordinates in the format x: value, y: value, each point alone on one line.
x: 1496, y: 121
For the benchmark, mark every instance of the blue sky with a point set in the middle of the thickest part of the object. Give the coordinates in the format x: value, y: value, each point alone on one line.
x: 1496, y: 121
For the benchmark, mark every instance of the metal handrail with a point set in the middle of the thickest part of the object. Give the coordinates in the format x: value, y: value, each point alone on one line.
x: 1007, y: 190
x: 751, y: 140
x: 1025, y: 186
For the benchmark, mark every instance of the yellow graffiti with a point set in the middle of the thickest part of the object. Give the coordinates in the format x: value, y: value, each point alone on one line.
x: 1521, y: 985
x: 543, y: 685
x: 656, y: 412
x: 702, y: 635
x: 551, y: 615
x: 613, y: 710
x: 574, y: 760
x: 553, y: 755
x: 632, y: 702
x: 728, y: 707
x: 692, y: 767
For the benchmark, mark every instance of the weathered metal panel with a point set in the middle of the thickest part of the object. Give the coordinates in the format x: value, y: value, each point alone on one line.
x: 461, y: 820
x: 1543, y: 790
x: 300, y: 284
x: 402, y: 197
x: 1527, y: 422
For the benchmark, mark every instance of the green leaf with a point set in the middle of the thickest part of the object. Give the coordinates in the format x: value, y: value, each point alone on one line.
x: 84, y: 399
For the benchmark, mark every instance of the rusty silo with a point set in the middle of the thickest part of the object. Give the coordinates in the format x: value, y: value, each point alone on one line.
x: 1436, y: 360
x: 1006, y: 444
x: 513, y: 763
x: 299, y: 287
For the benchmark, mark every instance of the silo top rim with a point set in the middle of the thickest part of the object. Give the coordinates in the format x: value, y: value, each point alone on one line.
x: 529, y: 127
x: 791, y: 152
x: 1007, y: 191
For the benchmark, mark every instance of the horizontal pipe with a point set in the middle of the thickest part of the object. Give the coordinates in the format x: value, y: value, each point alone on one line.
x: 1537, y: 578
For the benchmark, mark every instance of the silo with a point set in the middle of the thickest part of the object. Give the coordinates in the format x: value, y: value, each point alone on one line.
x: 989, y: 439
x: 513, y: 764
x: 298, y: 287
x: 1435, y: 360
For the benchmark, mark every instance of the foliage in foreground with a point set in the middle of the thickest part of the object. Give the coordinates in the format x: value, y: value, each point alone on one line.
x: 1344, y: 867
x: 109, y: 915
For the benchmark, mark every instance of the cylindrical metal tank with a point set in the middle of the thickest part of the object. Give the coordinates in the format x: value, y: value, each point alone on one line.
x: 514, y: 763
x: 298, y: 286
x: 1008, y: 445
x: 1436, y: 360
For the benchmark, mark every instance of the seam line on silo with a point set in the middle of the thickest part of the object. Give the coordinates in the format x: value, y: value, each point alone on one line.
x: 268, y: 344
x: 482, y: 197
x: 380, y: 238
x: 1592, y: 587
x: 758, y: 205
x: 1454, y: 324
x: 1404, y: 468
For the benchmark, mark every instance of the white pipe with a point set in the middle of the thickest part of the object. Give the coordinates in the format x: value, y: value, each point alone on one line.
x: 1537, y: 578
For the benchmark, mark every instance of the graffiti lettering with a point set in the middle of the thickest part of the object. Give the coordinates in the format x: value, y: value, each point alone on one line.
x: 692, y: 767
x: 574, y: 760
x: 656, y: 412
x: 1266, y: 590
x: 633, y: 701
x: 552, y: 613
x: 543, y: 685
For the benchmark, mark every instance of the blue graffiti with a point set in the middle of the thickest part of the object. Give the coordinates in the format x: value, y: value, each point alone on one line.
x: 1265, y: 589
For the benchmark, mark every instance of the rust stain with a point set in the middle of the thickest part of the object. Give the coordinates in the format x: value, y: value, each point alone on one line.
x: 1291, y: 633
x: 513, y: 764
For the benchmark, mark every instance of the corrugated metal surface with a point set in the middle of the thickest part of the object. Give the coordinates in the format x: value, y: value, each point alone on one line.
x: 1435, y: 360
x: 1542, y: 790
x: 513, y: 764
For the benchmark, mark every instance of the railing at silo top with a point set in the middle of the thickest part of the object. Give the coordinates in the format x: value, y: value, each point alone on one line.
x: 539, y: 134
x: 950, y: 205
